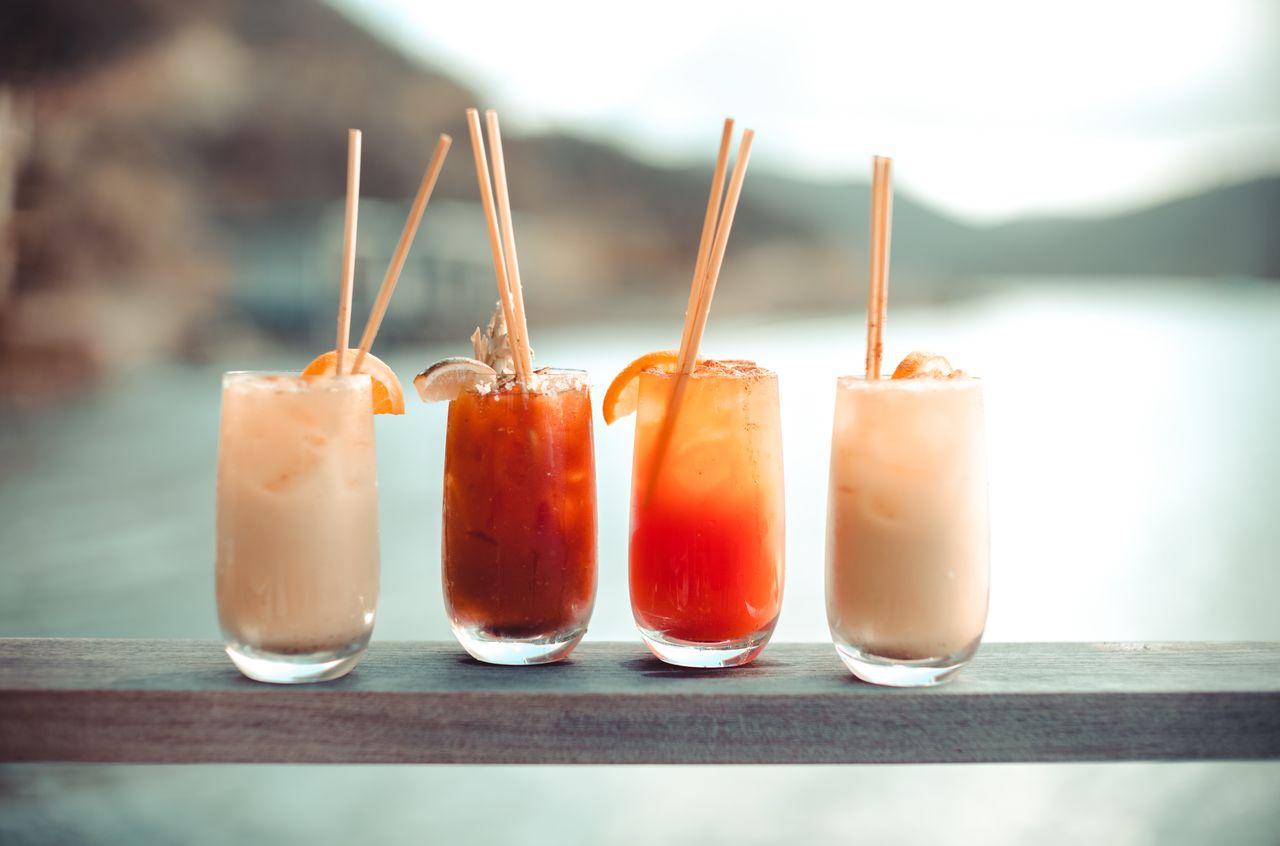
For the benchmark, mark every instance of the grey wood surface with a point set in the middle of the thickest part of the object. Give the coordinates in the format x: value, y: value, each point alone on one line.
x: 183, y: 702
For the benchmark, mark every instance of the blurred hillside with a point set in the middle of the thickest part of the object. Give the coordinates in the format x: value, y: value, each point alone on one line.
x: 1229, y: 231
x: 171, y: 178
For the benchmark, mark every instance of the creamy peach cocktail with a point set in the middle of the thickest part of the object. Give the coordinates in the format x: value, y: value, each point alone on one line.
x: 297, y: 519
x: 908, y: 540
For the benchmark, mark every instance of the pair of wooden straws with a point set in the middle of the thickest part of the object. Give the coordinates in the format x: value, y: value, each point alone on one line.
x: 716, y: 225
x: 379, y: 309
x: 502, y: 239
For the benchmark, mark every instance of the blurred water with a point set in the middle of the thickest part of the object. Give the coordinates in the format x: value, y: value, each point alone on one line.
x: 1132, y: 450
x: 1133, y: 461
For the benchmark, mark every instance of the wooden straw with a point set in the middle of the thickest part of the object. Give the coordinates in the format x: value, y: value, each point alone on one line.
x: 886, y: 224
x: 521, y: 326
x: 874, y: 290
x: 402, y: 251
x: 878, y: 284
x: 714, y: 200
x: 717, y: 254
x: 707, y: 291
x: 495, y: 240
x: 348, y: 248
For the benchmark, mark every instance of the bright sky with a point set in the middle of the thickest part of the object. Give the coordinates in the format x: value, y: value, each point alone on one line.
x: 991, y: 108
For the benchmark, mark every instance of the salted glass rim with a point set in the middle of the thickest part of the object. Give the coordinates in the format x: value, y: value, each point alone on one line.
x: 565, y: 371
x: 884, y: 383
x: 757, y: 372
x: 563, y: 379
x: 294, y: 380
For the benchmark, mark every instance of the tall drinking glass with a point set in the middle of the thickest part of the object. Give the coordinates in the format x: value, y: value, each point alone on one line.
x: 707, y: 537
x: 907, y: 528
x: 519, y: 540
x: 297, y: 524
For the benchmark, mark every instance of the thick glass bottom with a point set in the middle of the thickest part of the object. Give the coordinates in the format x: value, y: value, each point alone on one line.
x: 894, y: 672
x: 684, y: 653
x: 298, y: 668
x: 545, y: 649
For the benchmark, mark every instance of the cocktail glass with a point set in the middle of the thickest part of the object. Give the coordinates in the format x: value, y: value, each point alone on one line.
x: 519, y: 541
x: 297, y: 524
x: 907, y: 528
x: 707, y: 526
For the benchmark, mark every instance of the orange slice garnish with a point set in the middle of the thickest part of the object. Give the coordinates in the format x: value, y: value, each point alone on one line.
x: 923, y: 365
x: 388, y: 396
x: 624, y: 391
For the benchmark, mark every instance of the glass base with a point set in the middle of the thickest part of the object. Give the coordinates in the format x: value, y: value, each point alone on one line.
x: 685, y: 653
x: 517, y: 651
x: 894, y: 672
x: 301, y: 668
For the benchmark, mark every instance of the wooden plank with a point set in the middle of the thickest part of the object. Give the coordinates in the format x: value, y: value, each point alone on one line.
x: 183, y: 702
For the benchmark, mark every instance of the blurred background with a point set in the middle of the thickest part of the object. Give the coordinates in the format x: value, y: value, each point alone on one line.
x: 1087, y: 216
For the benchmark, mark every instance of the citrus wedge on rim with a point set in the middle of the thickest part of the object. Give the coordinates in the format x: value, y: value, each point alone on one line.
x: 388, y: 396
x: 624, y: 391
x: 923, y: 365
x: 449, y: 377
